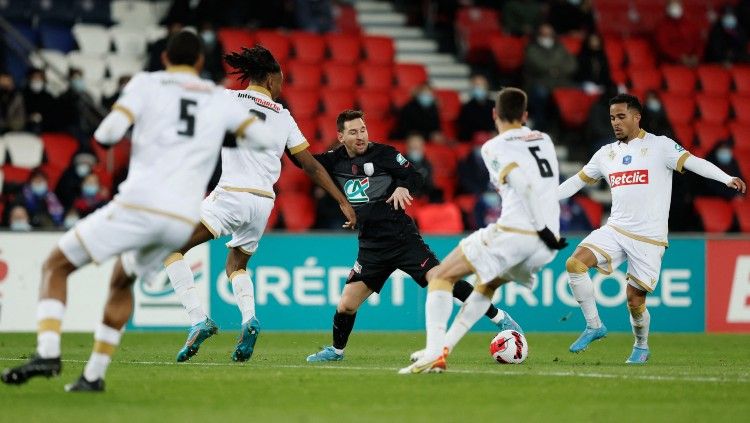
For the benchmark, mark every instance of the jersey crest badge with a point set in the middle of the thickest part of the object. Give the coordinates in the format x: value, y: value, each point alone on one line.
x: 400, y: 159
x: 678, y: 147
x: 356, y: 190
x: 627, y: 159
x: 644, y: 151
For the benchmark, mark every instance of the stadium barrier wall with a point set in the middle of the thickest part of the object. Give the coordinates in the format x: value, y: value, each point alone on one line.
x: 704, y: 286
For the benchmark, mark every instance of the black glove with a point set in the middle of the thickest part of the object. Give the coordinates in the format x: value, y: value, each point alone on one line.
x: 551, y: 241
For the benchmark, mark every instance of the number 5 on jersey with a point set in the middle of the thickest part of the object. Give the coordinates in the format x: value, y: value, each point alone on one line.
x: 187, y: 115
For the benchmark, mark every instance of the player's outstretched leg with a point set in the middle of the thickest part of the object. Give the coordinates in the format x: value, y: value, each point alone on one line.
x: 583, y: 291
x: 196, y: 336
x: 50, y: 311
x: 355, y: 293
x: 640, y: 320
x: 462, y: 290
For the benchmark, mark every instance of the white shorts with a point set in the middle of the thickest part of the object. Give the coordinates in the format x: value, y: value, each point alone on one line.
x: 143, y: 239
x: 495, y: 253
x: 242, y: 214
x: 612, y: 248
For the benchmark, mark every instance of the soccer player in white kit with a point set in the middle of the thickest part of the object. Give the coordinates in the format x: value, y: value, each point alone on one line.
x: 242, y: 201
x: 179, y: 124
x: 523, y: 166
x: 638, y: 168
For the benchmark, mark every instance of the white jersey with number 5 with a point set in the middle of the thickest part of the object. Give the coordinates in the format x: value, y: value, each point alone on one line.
x: 533, y: 153
x: 179, y: 125
x: 639, y: 174
x: 257, y: 171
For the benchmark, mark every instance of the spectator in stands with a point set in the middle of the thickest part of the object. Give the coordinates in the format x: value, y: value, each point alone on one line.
x: 92, y: 196
x: 12, y: 110
x: 568, y: 16
x: 593, y: 67
x: 314, y: 15
x: 71, y: 218
x: 678, y: 40
x: 475, y: 114
x: 419, y: 115
x: 78, y: 109
x: 157, y: 47
x: 42, y: 204
x: 727, y: 41
x: 40, y: 105
x: 473, y: 177
x: 213, y: 68
x: 548, y: 65
x: 70, y: 182
x: 415, y: 152
x: 18, y: 218
x: 723, y: 157
x: 108, y: 102
x: 573, y: 217
x: 598, y: 130
x: 654, y: 118
x: 520, y: 17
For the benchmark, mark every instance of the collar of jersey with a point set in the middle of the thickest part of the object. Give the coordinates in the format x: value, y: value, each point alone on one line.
x: 259, y: 89
x: 641, y: 135
x: 182, y: 69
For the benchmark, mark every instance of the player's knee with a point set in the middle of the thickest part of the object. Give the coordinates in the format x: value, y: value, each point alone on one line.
x: 56, y: 262
x: 574, y: 265
x: 440, y: 284
x: 346, y: 308
x: 486, y: 289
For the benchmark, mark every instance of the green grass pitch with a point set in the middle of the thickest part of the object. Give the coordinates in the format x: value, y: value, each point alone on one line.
x: 690, y: 377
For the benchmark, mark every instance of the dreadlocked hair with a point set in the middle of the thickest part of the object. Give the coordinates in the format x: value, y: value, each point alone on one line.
x: 253, y: 64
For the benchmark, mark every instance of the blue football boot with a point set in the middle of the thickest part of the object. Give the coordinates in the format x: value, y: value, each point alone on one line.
x: 246, y: 343
x: 196, y: 336
x: 588, y: 336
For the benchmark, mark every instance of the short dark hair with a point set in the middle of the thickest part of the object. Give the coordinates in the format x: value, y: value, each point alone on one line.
x: 511, y: 104
x: 346, y: 116
x: 253, y: 64
x: 184, y: 48
x: 631, y: 100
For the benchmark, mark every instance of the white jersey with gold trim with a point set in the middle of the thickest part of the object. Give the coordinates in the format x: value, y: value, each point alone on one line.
x: 533, y: 153
x: 180, y: 121
x: 258, y: 171
x: 639, y: 174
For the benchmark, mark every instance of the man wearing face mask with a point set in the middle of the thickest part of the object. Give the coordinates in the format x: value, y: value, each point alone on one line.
x: 723, y: 157
x: 213, y: 69
x: 727, y: 41
x: 18, y: 219
x: 108, y: 102
x: 677, y: 38
x: 77, y: 108
x: 419, y: 115
x: 570, y: 15
x: 474, y: 113
x: 654, y: 118
x: 39, y: 103
x: 12, y: 110
x: 415, y: 153
x: 92, y: 196
x: 70, y: 182
x: 43, y: 206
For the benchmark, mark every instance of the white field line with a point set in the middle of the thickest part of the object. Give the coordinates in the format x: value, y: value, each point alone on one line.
x: 588, y: 375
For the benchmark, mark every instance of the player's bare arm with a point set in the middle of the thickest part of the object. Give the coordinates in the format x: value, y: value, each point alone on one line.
x: 320, y: 176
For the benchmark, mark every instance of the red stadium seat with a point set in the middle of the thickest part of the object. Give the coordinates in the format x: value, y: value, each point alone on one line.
x: 309, y: 47
x: 327, y: 128
x: 443, y: 159
x: 15, y: 175
x: 466, y: 202
x: 741, y: 135
x: 714, y: 79
x: 410, y: 76
x: 639, y: 53
x: 679, y: 79
x: 276, y: 42
x: 615, y: 52
x: 444, y: 219
x: 715, y: 213
x: 449, y: 104
x: 572, y: 43
x: 509, y: 52
x: 336, y: 101
x: 375, y: 103
x: 298, y: 210
x: 59, y: 148
x: 340, y: 76
x: 302, y: 102
x: 684, y: 135
x: 292, y: 178
x: 379, y: 50
x: 477, y: 46
x: 680, y: 109
x: 574, y: 105
x: 234, y: 39
x: 376, y: 76
x: 742, y: 211
x: 708, y: 136
x: 477, y: 19
x: 309, y: 128
x: 399, y: 97
x: 592, y: 209
x: 741, y: 78
x: 378, y: 129
x: 346, y: 19
x: 273, y: 218
x: 344, y: 48
x: 618, y: 76
x: 741, y: 107
x: 645, y: 79
x: 713, y: 109
x: 303, y: 75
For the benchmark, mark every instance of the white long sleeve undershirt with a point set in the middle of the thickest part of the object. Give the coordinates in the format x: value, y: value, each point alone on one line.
x: 706, y: 169
x: 571, y: 186
x: 112, y: 128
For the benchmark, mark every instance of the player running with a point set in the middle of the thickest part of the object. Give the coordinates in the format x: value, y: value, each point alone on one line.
x: 523, y: 166
x: 379, y: 181
x: 242, y: 202
x: 638, y: 168
x: 179, y: 123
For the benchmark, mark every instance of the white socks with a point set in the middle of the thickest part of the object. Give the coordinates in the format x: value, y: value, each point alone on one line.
x: 182, y: 281
x: 583, y: 292
x: 640, y: 319
x: 106, y: 340
x: 242, y: 287
x: 498, y: 317
x: 473, y: 310
x: 438, y: 308
x: 49, y: 316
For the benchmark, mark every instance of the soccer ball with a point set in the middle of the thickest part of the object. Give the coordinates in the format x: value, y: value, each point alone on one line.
x: 509, y: 347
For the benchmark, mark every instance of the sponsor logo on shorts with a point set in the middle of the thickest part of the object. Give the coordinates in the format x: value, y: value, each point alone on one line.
x: 356, y: 190
x: 357, y: 267
x: 630, y: 177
